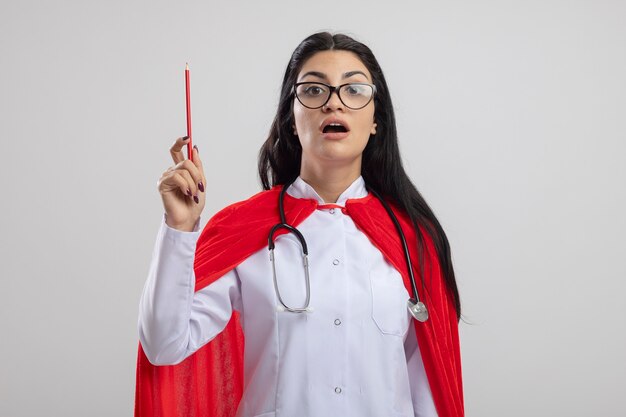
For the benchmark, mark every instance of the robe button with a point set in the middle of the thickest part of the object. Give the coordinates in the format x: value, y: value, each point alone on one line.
x: 337, y: 322
x: 337, y: 390
x: 335, y: 261
x: 331, y: 211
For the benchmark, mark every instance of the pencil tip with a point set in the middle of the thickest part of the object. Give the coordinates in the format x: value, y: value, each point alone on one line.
x: 186, y: 65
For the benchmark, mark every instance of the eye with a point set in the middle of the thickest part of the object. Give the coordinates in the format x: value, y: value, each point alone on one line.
x: 355, y: 89
x: 314, y: 90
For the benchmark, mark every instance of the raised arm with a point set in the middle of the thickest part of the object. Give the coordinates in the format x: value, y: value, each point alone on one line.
x: 174, y: 321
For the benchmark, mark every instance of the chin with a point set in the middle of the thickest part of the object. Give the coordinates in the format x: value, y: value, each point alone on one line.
x: 337, y: 157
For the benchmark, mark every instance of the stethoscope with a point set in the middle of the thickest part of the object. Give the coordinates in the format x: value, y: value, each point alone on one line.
x: 415, y: 306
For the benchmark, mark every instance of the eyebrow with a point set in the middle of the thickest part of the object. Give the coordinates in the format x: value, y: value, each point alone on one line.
x: 324, y: 77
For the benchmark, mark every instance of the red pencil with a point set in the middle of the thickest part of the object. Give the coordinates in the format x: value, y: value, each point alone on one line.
x: 188, y: 97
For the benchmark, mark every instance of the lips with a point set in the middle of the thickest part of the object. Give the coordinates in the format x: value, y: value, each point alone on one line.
x: 334, y: 125
x: 334, y: 128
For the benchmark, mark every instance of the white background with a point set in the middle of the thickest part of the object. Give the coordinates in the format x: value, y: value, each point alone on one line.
x: 511, y: 116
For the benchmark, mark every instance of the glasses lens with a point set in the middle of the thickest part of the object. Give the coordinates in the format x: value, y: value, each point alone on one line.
x: 312, y: 94
x: 353, y: 96
x: 356, y: 96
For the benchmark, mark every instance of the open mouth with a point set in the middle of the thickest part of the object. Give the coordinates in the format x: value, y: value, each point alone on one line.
x: 334, y: 127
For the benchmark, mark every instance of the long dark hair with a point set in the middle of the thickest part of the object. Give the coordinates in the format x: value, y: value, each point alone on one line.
x: 280, y: 156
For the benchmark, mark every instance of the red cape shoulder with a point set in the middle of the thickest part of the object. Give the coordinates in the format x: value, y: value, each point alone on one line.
x: 241, y: 229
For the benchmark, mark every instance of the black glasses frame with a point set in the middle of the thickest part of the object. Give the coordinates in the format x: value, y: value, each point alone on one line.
x: 331, y: 90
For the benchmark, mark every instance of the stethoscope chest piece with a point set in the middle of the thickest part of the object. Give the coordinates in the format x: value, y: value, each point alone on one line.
x: 417, y: 310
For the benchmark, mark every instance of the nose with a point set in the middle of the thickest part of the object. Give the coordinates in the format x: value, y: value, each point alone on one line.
x: 333, y: 103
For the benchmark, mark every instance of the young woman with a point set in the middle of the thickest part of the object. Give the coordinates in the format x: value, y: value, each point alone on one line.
x: 354, y: 309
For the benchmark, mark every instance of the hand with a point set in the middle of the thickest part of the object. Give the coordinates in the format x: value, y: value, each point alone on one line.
x: 182, y: 188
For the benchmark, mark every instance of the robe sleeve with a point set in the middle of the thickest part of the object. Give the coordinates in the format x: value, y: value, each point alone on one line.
x: 174, y: 320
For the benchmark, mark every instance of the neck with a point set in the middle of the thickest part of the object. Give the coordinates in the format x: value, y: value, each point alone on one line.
x: 330, y: 182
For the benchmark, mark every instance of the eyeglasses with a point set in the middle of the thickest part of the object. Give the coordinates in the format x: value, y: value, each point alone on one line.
x: 354, y: 96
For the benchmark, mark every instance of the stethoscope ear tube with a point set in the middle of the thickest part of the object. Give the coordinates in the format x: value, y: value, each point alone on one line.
x: 305, y: 257
x: 270, y: 239
x: 305, y: 261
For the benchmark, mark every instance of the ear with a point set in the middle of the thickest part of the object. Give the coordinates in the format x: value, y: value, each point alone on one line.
x: 295, y: 132
x: 373, y: 130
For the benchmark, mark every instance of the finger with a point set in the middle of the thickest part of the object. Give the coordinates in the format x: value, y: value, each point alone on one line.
x: 175, y: 180
x: 193, y: 170
x: 177, y: 149
x: 191, y: 183
x: 198, y: 162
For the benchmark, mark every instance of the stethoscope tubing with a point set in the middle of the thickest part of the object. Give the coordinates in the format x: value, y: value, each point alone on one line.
x: 305, y: 260
x: 415, y: 306
x: 405, y: 247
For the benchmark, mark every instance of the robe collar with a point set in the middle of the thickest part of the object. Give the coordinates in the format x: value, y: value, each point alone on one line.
x: 302, y: 189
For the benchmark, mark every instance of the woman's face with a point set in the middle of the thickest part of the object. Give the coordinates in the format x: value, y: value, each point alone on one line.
x: 333, y: 147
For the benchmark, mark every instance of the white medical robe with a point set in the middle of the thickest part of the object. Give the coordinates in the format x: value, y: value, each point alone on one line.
x: 355, y: 354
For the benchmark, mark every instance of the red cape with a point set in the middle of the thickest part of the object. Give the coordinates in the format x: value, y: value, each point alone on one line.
x: 209, y: 383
